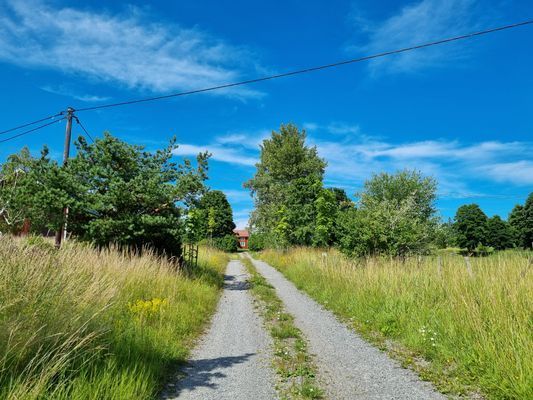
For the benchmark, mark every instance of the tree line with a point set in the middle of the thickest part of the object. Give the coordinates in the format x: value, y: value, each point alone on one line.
x: 121, y: 194
x: 473, y: 230
x: 395, y: 214
x: 116, y: 193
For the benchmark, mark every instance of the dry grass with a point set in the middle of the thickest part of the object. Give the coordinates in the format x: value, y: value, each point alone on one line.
x: 82, y: 324
x: 466, y: 331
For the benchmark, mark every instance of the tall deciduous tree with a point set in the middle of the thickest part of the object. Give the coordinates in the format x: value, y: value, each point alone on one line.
x: 289, y: 174
x: 216, y: 215
x: 471, y: 226
x: 528, y: 222
x: 327, y: 207
x: 499, y: 234
x: 516, y: 223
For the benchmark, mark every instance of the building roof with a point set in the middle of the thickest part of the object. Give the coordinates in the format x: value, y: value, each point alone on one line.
x: 241, y: 232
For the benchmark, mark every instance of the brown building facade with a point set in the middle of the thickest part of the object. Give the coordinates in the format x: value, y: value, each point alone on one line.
x: 242, y: 235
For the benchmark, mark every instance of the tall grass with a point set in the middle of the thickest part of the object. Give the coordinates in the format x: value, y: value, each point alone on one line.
x: 85, y: 324
x: 466, y: 330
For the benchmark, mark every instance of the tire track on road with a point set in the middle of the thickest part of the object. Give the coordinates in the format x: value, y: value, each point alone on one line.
x: 349, y: 367
x: 233, y: 359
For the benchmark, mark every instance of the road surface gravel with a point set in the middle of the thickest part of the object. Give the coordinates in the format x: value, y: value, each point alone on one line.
x: 349, y: 368
x: 233, y: 359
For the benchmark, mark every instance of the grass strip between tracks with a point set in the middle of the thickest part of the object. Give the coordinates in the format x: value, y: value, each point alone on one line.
x: 294, y: 366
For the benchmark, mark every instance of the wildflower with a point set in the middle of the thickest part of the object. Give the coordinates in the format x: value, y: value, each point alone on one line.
x: 147, y: 308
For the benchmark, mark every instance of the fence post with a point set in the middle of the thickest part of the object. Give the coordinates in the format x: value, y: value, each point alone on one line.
x: 439, y: 265
x: 468, y: 266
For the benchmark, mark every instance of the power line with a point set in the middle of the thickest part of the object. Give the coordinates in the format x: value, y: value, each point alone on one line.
x: 85, y: 130
x: 29, y: 123
x: 312, y: 69
x: 31, y: 130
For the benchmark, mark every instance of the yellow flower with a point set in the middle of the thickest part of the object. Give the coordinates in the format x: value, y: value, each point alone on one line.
x: 147, y: 308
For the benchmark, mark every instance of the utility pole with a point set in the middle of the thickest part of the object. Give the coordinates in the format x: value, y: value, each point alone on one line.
x: 66, y: 151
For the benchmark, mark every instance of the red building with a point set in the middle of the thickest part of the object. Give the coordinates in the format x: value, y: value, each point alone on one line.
x: 243, y: 235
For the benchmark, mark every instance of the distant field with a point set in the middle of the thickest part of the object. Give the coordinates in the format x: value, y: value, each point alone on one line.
x: 81, y: 324
x: 466, y: 329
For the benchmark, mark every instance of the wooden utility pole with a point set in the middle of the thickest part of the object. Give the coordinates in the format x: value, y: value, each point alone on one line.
x: 66, y: 151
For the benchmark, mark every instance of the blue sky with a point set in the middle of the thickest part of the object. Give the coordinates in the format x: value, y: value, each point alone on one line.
x: 460, y: 112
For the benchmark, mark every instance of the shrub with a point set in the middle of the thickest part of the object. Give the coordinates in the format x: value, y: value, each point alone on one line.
x: 257, y: 242
x: 226, y: 243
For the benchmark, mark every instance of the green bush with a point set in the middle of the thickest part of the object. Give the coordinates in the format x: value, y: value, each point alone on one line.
x: 257, y: 242
x: 226, y: 243
x: 40, y: 242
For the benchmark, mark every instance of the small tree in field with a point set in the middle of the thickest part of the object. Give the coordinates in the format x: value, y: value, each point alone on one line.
x: 471, y: 226
x: 326, y: 213
x: 445, y: 235
x: 395, y: 216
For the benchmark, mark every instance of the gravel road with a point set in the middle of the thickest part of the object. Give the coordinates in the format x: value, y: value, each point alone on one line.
x: 349, y: 368
x: 232, y: 361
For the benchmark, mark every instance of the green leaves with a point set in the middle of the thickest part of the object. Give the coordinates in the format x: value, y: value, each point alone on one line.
x: 521, y: 222
x: 471, y: 226
x: 32, y: 187
x: 395, y: 216
x: 116, y: 193
x: 287, y: 182
x: 327, y: 208
x: 215, y: 215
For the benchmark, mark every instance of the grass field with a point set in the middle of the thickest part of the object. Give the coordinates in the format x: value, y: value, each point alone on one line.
x: 82, y: 324
x: 469, y: 330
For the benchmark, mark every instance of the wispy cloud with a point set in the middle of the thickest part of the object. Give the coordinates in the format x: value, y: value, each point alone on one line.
x: 125, y: 48
x: 240, y: 148
x: 518, y: 172
x: 238, y: 196
x: 241, y: 218
x: 354, y: 156
x: 219, y: 153
x: 417, y: 23
x: 248, y: 140
x: 335, y: 128
x: 62, y: 91
x: 455, y: 165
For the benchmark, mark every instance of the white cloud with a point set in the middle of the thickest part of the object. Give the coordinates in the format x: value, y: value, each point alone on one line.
x: 241, y: 218
x: 248, y: 140
x: 237, y: 196
x: 519, y: 172
x: 62, y: 91
x: 232, y: 148
x: 124, y: 48
x: 335, y: 128
x: 418, y: 23
x: 219, y: 153
x: 454, y: 164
